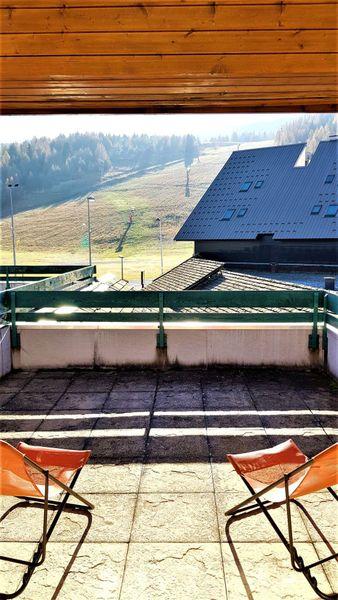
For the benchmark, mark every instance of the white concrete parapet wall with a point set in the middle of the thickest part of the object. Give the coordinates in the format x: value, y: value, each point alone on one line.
x: 5, y: 350
x: 332, y: 350
x: 63, y: 345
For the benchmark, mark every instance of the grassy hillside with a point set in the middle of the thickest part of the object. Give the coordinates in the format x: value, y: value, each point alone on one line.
x: 55, y: 234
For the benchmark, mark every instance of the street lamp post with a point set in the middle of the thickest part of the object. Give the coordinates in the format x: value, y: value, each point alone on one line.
x: 122, y: 271
x: 161, y: 242
x: 10, y: 186
x: 89, y: 200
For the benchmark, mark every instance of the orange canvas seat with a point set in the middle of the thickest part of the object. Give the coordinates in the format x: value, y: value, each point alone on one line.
x: 263, y: 467
x: 38, y: 475
x: 281, y: 475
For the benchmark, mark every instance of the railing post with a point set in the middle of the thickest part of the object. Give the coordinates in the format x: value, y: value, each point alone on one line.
x: 161, y: 336
x: 8, y: 285
x: 14, y: 332
x: 314, y: 337
x: 324, y: 334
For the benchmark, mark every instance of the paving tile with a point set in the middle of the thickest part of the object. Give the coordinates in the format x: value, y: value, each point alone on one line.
x: 245, y: 440
x: 56, y: 373
x: 331, y: 567
x: 226, y: 479
x: 83, y: 401
x: 5, y: 397
x: 173, y: 571
x: 278, y: 401
x: 322, y: 507
x: 70, y: 440
x: 135, y: 381
x: 176, y: 446
x: 175, y: 518
x: 112, y: 520
x: 30, y: 402
x: 240, y: 421
x: 179, y: 386
x: 110, y: 477
x: 311, y: 442
x: 73, y: 425
x: 93, y: 571
x: 91, y: 384
x: 129, y: 401
x: 13, y: 383
x: 263, y: 570
x: 179, y: 477
x: 42, y: 384
x: 228, y: 401
x: 256, y: 528
x: 119, y: 437
x: 178, y: 401
x: 20, y: 423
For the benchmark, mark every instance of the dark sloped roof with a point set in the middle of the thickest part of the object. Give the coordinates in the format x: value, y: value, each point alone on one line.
x: 281, y: 206
x: 188, y: 274
x: 203, y: 274
x: 231, y: 280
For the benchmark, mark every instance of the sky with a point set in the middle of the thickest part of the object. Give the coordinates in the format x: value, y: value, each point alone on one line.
x: 204, y: 126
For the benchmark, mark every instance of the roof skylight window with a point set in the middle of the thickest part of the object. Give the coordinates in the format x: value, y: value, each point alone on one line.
x: 329, y: 178
x: 259, y: 184
x: 245, y: 186
x: 242, y: 212
x: 332, y: 210
x: 228, y: 214
x: 316, y: 209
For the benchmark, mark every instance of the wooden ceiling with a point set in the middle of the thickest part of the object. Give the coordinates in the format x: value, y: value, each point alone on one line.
x: 168, y: 55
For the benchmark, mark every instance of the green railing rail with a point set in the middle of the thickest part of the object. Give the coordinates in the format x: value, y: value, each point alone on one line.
x: 25, y: 273
x: 284, y: 306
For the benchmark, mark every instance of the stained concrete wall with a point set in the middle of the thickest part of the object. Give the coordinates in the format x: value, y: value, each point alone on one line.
x: 5, y: 350
x: 332, y: 351
x: 190, y: 344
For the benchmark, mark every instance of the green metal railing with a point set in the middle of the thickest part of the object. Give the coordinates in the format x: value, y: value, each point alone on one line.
x: 22, y: 304
x: 25, y: 273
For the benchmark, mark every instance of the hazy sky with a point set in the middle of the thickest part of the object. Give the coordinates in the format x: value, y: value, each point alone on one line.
x: 19, y: 128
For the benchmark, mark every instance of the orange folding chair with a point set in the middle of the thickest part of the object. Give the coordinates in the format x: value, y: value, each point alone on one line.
x: 280, y: 475
x: 39, y: 476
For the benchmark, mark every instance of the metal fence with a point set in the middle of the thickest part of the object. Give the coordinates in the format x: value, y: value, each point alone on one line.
x: 25, y: 303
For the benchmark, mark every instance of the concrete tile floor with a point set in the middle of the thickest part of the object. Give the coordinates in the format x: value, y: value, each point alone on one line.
x: 160, y: 483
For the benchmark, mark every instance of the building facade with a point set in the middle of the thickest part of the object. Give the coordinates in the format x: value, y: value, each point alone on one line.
x: 268, y: 205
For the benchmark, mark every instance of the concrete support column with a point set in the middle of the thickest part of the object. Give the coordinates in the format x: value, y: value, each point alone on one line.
x: 5, y: 350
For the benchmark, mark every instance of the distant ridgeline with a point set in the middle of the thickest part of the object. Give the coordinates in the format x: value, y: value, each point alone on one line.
x: 67, y: 165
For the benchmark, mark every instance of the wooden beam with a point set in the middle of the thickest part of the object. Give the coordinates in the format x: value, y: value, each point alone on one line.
x: 188, y: 42
x: 208, y: 17
x: 125, y: 67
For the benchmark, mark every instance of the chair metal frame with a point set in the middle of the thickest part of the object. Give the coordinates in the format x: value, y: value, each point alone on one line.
x: 245, y: 509
x: 44, y: 502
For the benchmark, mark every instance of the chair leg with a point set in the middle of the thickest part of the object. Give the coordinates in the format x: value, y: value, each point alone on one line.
x: 40, y: 552
x: 296, y: 560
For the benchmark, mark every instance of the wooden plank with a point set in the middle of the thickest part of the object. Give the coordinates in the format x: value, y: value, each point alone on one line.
x: 110, y: 105
x: 188, y: 42
x: 209, y: 17
x: 61, y: 4
x: 151, y: 93
x: 185, y: 84
x: 125, y: 67
x: 132, y: 99
x: 174, y: 108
